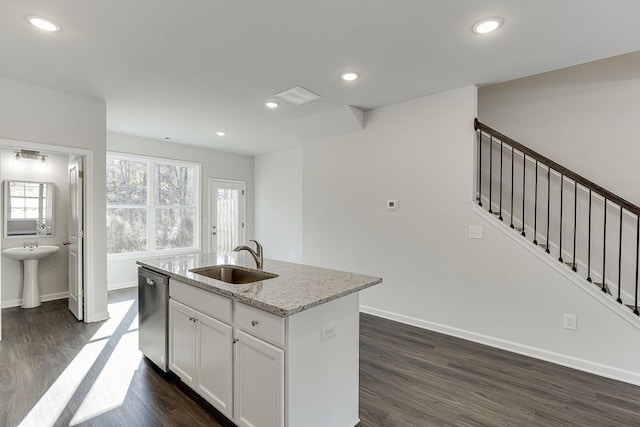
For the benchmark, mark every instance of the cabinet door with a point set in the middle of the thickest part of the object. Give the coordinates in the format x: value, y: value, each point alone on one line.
x: 182, y: 341
x: 259, y: 382
x: 214, y: 359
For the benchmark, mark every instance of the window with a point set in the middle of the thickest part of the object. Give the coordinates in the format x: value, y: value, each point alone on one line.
x: 152, y: 205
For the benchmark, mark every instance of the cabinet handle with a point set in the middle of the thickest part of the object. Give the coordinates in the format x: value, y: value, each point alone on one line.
x: 235, y: 340
x: 254, y: 323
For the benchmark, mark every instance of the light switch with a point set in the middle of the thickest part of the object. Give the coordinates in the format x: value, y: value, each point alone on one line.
x: 476, y: 232
x: 392, y: 205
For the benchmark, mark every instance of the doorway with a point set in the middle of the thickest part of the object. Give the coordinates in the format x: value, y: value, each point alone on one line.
x: 57, y: 279
x: 226, y: 214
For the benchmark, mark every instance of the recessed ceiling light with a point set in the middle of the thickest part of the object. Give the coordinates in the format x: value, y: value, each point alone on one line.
x: 43, y: 24
x: 271, y: 104
x: 221, y: 133
x: 487, y: 25
x: 349, y: 76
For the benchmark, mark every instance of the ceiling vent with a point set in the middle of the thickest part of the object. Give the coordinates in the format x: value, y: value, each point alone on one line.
x: 297, y: 95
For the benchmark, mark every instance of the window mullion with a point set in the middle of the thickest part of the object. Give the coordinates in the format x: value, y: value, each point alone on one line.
x: 151, y: 213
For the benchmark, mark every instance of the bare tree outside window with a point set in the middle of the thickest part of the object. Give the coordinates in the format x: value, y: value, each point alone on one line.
x: 163, y: 221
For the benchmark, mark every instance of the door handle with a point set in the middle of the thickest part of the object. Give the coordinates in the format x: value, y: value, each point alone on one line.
x: 67, y: 243
x: 213, y: 233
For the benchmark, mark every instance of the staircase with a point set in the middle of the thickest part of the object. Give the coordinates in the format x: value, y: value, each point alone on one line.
x: 590, y: 230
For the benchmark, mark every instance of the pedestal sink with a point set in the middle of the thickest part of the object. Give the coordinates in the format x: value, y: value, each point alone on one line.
x: 30, y: 258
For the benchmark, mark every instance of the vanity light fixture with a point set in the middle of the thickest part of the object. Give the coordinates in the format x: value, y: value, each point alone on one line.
x: 349, y: 76
x: 221, y: 133
x: 44, y: 24
x: 271, y: 104
x: 31, y: 155
x: 487, y: 25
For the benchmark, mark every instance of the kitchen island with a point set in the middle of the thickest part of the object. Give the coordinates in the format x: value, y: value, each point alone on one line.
x: 276, y: 352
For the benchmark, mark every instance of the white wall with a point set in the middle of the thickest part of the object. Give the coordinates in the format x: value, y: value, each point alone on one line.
x: 278, y: 202
x: 586, y: 118
x: 215, y: 164
x: 53, y: 270
x: 491, y: 290
x: 39, y: 115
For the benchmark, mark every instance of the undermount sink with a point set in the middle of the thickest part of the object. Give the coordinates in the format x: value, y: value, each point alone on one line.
x: 30, y: 257
x: 233, y: 274
x: 38, y: 252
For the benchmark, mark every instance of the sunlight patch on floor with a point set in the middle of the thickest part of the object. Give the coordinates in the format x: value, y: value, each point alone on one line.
x: 51, y: 405
x: 110, y: 388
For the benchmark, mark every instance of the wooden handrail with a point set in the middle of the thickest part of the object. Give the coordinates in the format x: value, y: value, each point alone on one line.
x: 608, y: 195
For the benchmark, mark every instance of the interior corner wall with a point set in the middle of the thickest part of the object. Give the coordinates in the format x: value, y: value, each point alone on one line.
x: 35, y: 114
x: 586, y: 117
x: 490, y: 290
x: 215, y: 164
x: 278, y: 201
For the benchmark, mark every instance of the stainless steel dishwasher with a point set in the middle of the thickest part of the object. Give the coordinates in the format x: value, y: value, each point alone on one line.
x: 153, y: 315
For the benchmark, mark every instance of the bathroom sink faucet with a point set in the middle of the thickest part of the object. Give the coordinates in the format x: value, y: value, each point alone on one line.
x: 30, y: 245
x: 257, y: 254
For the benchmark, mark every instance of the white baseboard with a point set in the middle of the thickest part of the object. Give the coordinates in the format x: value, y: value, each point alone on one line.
x: 122, y: 285
x: 43, y: 298
x: 537, y: 353
x: 98, y: 317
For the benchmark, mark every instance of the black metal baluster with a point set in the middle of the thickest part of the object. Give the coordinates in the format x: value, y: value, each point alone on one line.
x: 500, y: 215
x: 620, y: 259
x: 561, y: 203
x: 548, y: 205
x: 635, y: 310
x: 490, y: 173
x: 535, y: 209
x: 575, y: 223
x: 604, y: 249
x: 589, y: 243
x: 524, y: 176
x: 480, y: 169
x: 512, y: 154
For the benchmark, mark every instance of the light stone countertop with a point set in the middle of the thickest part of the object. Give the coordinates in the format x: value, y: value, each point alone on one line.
x: 298, y: 287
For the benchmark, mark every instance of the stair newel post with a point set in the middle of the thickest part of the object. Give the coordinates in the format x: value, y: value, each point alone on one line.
x: 635, y: 310
x: 561, y: 205
x: 620, y: 259
x: 589, y: 243
x: 479, y: 168
x: 604, y: 249
x: 501, y: 153
x: 575, y: 223
x: 511, y: 215
x: 548, y: 206
x: 524, y: 176
x: 535, y: 209
x: 490, y: 173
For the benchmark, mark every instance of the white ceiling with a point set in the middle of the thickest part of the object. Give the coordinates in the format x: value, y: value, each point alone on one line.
x: 187, y: 68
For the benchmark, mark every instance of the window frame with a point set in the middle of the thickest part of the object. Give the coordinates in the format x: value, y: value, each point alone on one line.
x: 150, y: 206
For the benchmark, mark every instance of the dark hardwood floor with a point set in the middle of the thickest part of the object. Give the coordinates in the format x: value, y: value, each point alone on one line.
x: 55, y: 370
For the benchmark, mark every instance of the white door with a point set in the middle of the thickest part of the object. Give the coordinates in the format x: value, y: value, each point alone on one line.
x: 226, y: 215
x: 215, y: 363
x: 259, y: 383
x: 76, y: 238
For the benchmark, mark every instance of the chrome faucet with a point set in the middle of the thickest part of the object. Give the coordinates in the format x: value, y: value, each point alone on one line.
x: 257, y: 254
x: 30, y: 245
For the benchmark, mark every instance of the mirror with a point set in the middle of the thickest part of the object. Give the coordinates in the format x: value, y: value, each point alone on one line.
x: 28, y: 208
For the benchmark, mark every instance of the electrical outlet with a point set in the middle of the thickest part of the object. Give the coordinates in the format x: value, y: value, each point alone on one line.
x: 570, y: 322
x: 328, y: 330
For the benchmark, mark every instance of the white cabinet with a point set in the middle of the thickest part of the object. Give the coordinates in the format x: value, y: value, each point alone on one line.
x: 201, y: 354
x: 259, y: 382
x: 249, y: 379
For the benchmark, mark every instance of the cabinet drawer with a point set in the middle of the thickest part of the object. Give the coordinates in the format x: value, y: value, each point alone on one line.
x: 211, y: 304
x: 260, y: 323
